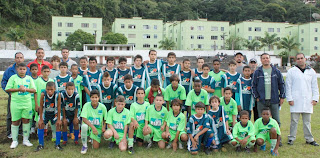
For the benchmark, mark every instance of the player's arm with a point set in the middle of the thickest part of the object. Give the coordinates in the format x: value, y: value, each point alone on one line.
x: 168, y: 105
x: 202, y: 132
x: 41, y: 107
x: 59, y: 109
x: 189, y: 112
x: 125, y: 131
x: 234, y: 118
x: 163, y: 127
x: 112, y: 129
x: 209, y: 89
x: 86, y: 90
x: 86, y: 121
x: 193, y: 74
x: 36, y: 102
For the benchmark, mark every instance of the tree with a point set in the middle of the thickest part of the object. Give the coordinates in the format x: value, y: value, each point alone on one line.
x: 16, y: 35
x: 76, y: 40
x: 289, y: 44
x: 58, y: 46
x: 252, y: 44
x: 234, y: 43
x: 114, y: 38
x: 269, y: 40
x: 167, y: 44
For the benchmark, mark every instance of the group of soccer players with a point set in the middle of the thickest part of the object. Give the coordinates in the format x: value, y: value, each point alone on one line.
x: 151, y: 101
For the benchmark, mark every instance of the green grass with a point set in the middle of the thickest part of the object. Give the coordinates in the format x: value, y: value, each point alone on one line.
x: 299, y: 149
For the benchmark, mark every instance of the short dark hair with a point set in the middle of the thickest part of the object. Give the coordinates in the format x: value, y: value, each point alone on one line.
x: 84, y: 58
x: 213, y: 98
x: 120, y: 98
x: 44, y: 67
x: 94, y: 92
x: 137, y: 57
x: 106, y: 74
x: 127, y: 77
x: 300, y: 54
x: 216, y: 60
x: 55, y: 58
x: 246, y: 67
x: 74, y: 65
x: 227, y: 89
x: 185, y: 60
x: 50, y: 84
x: 155, y: 82
x: 34, y: 65
x: 264, y: 54
x: 199, y: 59
x: 93, y: 59
x: 110, y: 59
x: 63, y: 64
x: 174, y: 77
x: 200, y: 105
x: 171, y: 54
x: 265, y: 109
x: 140, y: 89
x: 64, y: 48
x: 122, y: 59
x: 197, y: 81
x: 232, y: 62
x: 205, y: 65
x: 21, y: 65
x: 243, y: 112
x: 159, y: 95
x: 39, y: 49
x: 152, y: 50
x: 15, y: 55
x: 176, y: 101
x: 69, y: 84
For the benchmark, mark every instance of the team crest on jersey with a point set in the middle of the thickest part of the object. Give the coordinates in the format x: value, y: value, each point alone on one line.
x: 70, y: 105
x: 202, y: 97
x: 269, y: 126
x: 27, y: 80
x: 130, y: 98
x: 133, y: 70
x: 47, y: 100
x: 94, y: 80
x: 162, y: 115
x: 228, y: 78
x: 52, y: 105
x: 246, y: 90
x: 99, y: 112
x: 178, y: 120
x: 89, y: 75
x: 108, y: 97
x: 124, y: 117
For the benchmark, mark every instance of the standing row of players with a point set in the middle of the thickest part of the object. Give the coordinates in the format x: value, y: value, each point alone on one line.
x: 107, y: 86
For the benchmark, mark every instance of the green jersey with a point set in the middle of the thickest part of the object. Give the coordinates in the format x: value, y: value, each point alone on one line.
x: 193, y: 99
x: 32, y: 94
x: 217, y: 77
x: 230, y: 108
x: 40, y: 84
x: 94, y: 115
x: 138, y: 111
x: 156, y: 118
x: 241, y: 132
x: 119, y: 120
x: 179, y: 93
x: 78, y: 83
x: 176, y: 123
x: 260, y: 128
x: 21, y: 99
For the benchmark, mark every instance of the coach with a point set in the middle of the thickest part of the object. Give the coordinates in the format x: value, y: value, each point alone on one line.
x: 268, y: 86
x: 302, y: 94
x: 39, y: 61
x: 18, y: 58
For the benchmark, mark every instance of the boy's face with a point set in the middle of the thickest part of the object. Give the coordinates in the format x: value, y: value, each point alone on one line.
x: 70, y: 90
x: 45, y: 72
x: 120, y: 105
x: 232, y: 67
x: 128, y: 83
x: 215, y: 103
x: 83, y: 62
x: 246, y: 72
x: 206, y: 70
x: 176, y: 108
x: 55, y: 63
x: 123, y: 64
x: 158, y: 101
x: 200, y: 111
x: 34, y: 70
x: 265, y: 114
x: 138, y: 62
x: 94, y: 98
x: 153, y: 55
x: 197, y: 87
x: 110, y: 63
x: 155, y: 88
x: 50, y: 90
x: 92, y: 63
x: 140, y: 94
x: 216, y: 65
x: 200, y: 62
x: 63, y: 69
x: 22, y: 70
x: 227, y: 94
x: 175, y: 83
x: 186, y: 64
x: 244, y: 119
x: 74, y: 70
x: 106, y: 81
x: 171, y: 59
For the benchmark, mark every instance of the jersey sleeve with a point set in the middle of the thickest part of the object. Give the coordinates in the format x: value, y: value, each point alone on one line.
x: 32, y: 85
x: 77, y: 101
x: 235, y: 130
x: 206, y: 123
x: 189, y: 126
x: 148, y: 113
x: 276, y: 126
x: 238, y: 92
x: 84, y: 112
x: 182, y: 124
x: 212, y: 83
x: 166, y: 94
x: 256, y: 127
x: 128, y: 119
x: 206, y: 98
x: 189, y: 99
x: 235, y: 109
x: 223, y: 81
x: 132, y: 111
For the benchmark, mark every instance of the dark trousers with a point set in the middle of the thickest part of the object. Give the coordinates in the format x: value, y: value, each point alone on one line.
x: 255, y: 111
x: 9, y: 122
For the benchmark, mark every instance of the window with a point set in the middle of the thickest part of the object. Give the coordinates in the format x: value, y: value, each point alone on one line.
x: 69, y: 24
x: 200, y: 37
x: 250, y: 38
x: 278, y: 29
x: 200, y: 28
x: 214, y: 28
x: 315, y: 38
x: 68, y: 33
x: 85, y: 25
x: 270, y: 29
x: 146, y: 27
x: 249, y: 28
x: 200, y: 46
x: 302, y: 39
x: 191, y: 45
x: 59, y: 24
x: 155, y: 27
x: 301, y: 48
x: 192, y: 37
x: 222, y: 29
x: 59, y: 34
x: 191, y: 28
x: 214, y: 37
x: 257, y: 29
x: 155, y: 46
x: 315, y: 48
x: 122, y: 26
x: 130, y: 26
x: 146, y: 36
x: 257, y: 37
x: 315, y: 29
x: 146, y: 45
x: 155, y: 36
x: 131, y: 35
x: 94, y: 25
x: 302, y: 30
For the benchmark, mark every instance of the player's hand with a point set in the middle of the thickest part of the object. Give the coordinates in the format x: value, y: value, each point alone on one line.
x: 103, y: 68
x: 276, y: 152
x: 163, y: 78
x: 22, y: 88
x: 213, y: 142
x: 281, y: 101
x: 146, y: 128
x: 135, y: 125
x: 162, y: 128
x: 257, y: 99
x: 228, y: 132
x: 174, y: 146
x: 95, y: 131
x: 291, y: 103
x: 64, y: 120
x: 116, y: 135
x: 314, y: 102
x: 124, y: 140
x: 244, y: 141
x: 75, y: 120
x: 40, y: 123
x: 85, y: 72
x: 194, y: 144
x: 103, y: 130
x: 196, y: 138
x: 145, y: 62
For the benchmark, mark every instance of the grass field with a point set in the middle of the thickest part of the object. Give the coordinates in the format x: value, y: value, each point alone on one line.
x: 299, y: 149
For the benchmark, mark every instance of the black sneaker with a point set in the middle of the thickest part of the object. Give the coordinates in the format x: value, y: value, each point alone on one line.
x: 39, y: 147
x: 130, y: 151
x: 207, y: 150
x: 111, y: 145
x: 290, y: 142
x: 314, y: 143
x: 238, y: 149
x: 58, y: 147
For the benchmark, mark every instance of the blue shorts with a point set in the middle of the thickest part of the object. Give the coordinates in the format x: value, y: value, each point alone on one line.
x: 202, y: 139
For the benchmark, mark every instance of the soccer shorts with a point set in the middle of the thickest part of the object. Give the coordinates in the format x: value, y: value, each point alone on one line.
x: 249, y: 139
x: 202, y: 139
x: 50, y: 117
x: 18, y: 112
x: 173, y: 134
x: 139, y: 131
x: 156, y: 133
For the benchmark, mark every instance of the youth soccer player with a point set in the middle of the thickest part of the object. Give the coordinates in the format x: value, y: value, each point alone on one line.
x: 118, y: 120
x: 107, y: 90
x: 138, y: 113
x: 170, y: 68
x: 153, y: 68
x: 267, y: 129
x: 174, y: 90
x: 83, y: 65
x: 243, y: 133
x: 50, y: 110
x: 111, y: 70
x: 196, y: 95
x: 93, y: 76
x: 93, y: 116
x: 34, y: 75
x: 217, y: 74
x: 62, y: 79
x: 154, y: 90
x: 122, y: 71
x: 230, y: 78
x: 138, y: 72
x: 198, y: 70
x: 128, y: 90
x: 186, y: 76
x: 175, y: 129
x: 155, y: 122
x: 208, y: 82
x: 20, y: 86
x: 230, y: 106
x: 70, y: 110
x: 55, y: 62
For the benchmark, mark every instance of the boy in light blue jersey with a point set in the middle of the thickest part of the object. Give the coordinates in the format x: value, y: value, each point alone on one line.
x: 138, y: 72
x: 153, y: 68
x: 170, y: 68
x: 208, y: 82
x: 93, y: 76
x: 230, y: 78
x: 107, y: 91
x: 128, y: 90
x: 122, y: 71
x: 63, y: 78
x: 113, y: 72
x: 198, y: 70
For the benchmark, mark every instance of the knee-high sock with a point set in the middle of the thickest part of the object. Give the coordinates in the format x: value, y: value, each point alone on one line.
x: 26, y: 130
x: 58, y: 133
x: 76, y: 135
x: 65, y: 136
x: 273, y: 143
x: 84, y: 134
x: 250, y: 144
x: 209, y: 141
x: 130, y: 142
x: 14, y: 132
x: 71, y: 127
x: 53, y: 130
x: 40, y: 136
x: 147, y: 138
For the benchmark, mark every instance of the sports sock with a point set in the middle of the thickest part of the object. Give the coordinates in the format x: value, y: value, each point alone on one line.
x: 130, y: 142
x: 53, y: 130
x: 273, y: 143
x: 26, y: 131
x: 14, y: 132
x: 76, y: 135
x: 40, y: 136
x: 58, y: 133
x: 65, y: 136
x: 84, y: 134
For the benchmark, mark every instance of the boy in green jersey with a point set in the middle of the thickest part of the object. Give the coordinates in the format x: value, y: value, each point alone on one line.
x: 216, y: 73
x: 34, y: 75
x: 267, y: 129
x: 176, y: 124
x: 138, y: 113
x: 230, y: 106
x: 174, y: 90
x: 243, y: 133
x: 117, y: 121
x: 20, y: 86
x: 93, y: 116
x: 196, y: 95
x: 155, y: 122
